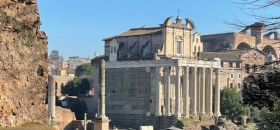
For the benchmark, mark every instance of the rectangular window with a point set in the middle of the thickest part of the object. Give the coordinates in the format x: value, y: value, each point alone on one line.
x: 230, y: 64
x: 239, y: 76
x: 239, y: 85
x: 115, y: 49
x: 231, y: 85
x: 237, y: 65
x: 111, y: 49
x: 222, y: 64
x: 231, y: 76
x: 179, y: 47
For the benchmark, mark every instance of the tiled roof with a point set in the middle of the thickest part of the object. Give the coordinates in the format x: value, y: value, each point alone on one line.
x: 141, y: 31
x: 228, y: 55
x: 138, y: 32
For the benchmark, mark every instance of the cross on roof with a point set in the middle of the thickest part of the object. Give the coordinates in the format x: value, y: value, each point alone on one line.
x: 178, y: 11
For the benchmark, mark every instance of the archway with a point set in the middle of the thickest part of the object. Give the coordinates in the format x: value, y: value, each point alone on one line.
x: 243, y: 46
x: 270, y: 50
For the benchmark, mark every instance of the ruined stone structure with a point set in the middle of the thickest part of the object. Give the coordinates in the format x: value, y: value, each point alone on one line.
x: 233, y: 63
x: 101, y: 122
x: 250, y: 37
x: 153, y: 77
x: 59, y: 81
x: 23, y: 63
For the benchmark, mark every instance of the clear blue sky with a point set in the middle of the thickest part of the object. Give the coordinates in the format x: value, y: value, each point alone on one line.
x: 77, y: 27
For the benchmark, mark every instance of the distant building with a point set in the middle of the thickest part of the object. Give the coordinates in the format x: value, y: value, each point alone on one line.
x: 55, y: 63
x: 59, y: 81
x: 233, y: 63
x: 55, y: 59
x: 252, y: 36
x: 76, y: 61
x: 64, y: 65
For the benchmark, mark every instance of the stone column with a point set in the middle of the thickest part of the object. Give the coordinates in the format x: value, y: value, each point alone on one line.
x: 209, y: 96
x: 217, y: 94
x: 194, y: 95
x: 198, y: 82
x: 167, y: 88
x: 101, y: 108
x: 51, y: 101
x: 186, y: 93
x: 101, y: 122
x: 202, y: 92
x: 158, y: 87
x: 178, y: 93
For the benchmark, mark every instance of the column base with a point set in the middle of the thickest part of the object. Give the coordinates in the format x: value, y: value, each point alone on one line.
x: 217, y: 114
x: 202, y: 113
x: 101, y: 123
x: 210, y: 114
x: 168, y: 114
x: 158, y: 114
x: 186, y: 115
x: 204, y: 117
x: 178, y: 115
x: 194, y: 117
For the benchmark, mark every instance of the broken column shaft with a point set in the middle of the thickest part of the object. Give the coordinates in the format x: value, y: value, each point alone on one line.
x: 101, y: 105
x: 51, y: 101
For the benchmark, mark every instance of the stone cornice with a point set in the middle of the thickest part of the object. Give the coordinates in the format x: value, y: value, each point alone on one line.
x: 163, y: 62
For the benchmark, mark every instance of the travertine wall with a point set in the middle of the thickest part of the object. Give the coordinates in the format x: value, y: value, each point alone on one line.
x: 23, y: 63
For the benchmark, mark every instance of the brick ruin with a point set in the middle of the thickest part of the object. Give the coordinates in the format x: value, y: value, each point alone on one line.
x: 23, y: 63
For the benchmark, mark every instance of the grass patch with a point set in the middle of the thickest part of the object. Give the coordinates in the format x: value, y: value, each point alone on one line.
x: 30, y: 126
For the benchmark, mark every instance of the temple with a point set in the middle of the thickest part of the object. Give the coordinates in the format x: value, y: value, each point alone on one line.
x: 153, y: 76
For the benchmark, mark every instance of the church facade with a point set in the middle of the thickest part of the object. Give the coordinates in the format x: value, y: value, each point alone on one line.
x: 153, y: 76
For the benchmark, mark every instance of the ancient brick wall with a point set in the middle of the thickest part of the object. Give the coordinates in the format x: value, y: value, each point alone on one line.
x: 217, y: 42
x: 23, y: 63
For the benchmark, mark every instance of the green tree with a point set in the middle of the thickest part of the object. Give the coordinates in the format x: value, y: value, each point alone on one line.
x: 79, y: 108
x: 262, y: 90
x: 84, y: 70
x: 84, y: 86
x: 76, y: 87
x: 270, y: 119
x: 231, y: 105
x: 71, y: 88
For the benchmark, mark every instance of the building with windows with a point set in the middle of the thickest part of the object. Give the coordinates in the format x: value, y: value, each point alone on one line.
x: 233, y: 63
x: 153, y: 76
x: 74, y: 62
x: 253, y: 36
